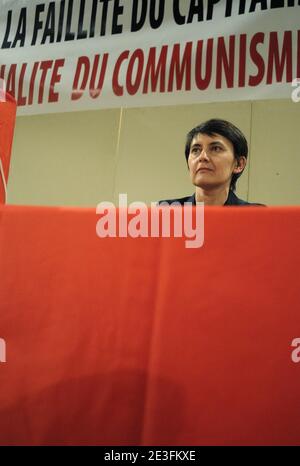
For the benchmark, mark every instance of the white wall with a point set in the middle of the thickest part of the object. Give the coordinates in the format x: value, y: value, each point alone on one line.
x: 87, y: 157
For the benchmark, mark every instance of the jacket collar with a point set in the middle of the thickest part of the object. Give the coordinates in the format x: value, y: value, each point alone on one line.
x: 232, y: 199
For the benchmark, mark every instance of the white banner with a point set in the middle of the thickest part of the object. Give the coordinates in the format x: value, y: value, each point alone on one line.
x: 68, y: 55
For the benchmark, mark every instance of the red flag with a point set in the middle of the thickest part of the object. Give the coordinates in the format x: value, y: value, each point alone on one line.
x: 8, y: 109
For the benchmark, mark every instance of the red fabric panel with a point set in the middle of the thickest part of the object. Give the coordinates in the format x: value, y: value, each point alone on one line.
x: 7, y: 126
x: 142, y: 341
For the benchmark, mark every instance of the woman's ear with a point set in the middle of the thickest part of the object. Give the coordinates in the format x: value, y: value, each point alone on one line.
x: 240, y: 164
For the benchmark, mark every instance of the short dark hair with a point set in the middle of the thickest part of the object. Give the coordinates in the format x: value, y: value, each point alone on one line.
x: 227, y: 130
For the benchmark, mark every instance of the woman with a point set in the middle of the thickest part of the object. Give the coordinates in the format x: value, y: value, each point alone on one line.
x: 216, y: 152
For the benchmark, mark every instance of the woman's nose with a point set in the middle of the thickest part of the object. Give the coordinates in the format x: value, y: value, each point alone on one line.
x: 203, y: 155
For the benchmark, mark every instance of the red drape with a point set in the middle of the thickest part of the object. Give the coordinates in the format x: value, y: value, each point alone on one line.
x: 7, y: 125
x: 142, y: 341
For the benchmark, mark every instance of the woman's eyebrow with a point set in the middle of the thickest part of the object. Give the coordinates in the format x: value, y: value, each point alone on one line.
x: 217, y: 142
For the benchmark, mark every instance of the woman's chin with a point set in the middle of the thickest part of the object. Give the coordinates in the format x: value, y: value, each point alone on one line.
x: 204, y: 184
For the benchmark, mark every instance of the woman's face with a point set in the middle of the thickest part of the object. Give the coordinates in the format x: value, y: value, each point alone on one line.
x: 211, y: 161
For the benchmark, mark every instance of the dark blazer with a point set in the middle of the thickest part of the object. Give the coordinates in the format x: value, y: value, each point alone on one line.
x: 231, y: 200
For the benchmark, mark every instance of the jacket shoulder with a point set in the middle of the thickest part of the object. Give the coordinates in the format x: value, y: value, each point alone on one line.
x: 234, y: 200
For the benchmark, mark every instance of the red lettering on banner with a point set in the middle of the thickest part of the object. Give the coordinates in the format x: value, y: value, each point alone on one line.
x: 21, y: 99
x: 298, y: 56
x: 225, y: 61
x: 156, y: 72
x: 242, y: 62
x: 280, y: 63
x: 95, y: 89
x: 170, y: 68
x: 118, y: 90
x: 203, y: 83
x: 145, y: 73
x: 83, y: 68
x: 83, y: 64
x: 45, y: 67
x: 55, y: 79
x: 257, y: 59
x: 11, y: 80
x: 133, y: 85
x: 22, y: 84
x: 32, y: 81
x: 180, y: 67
